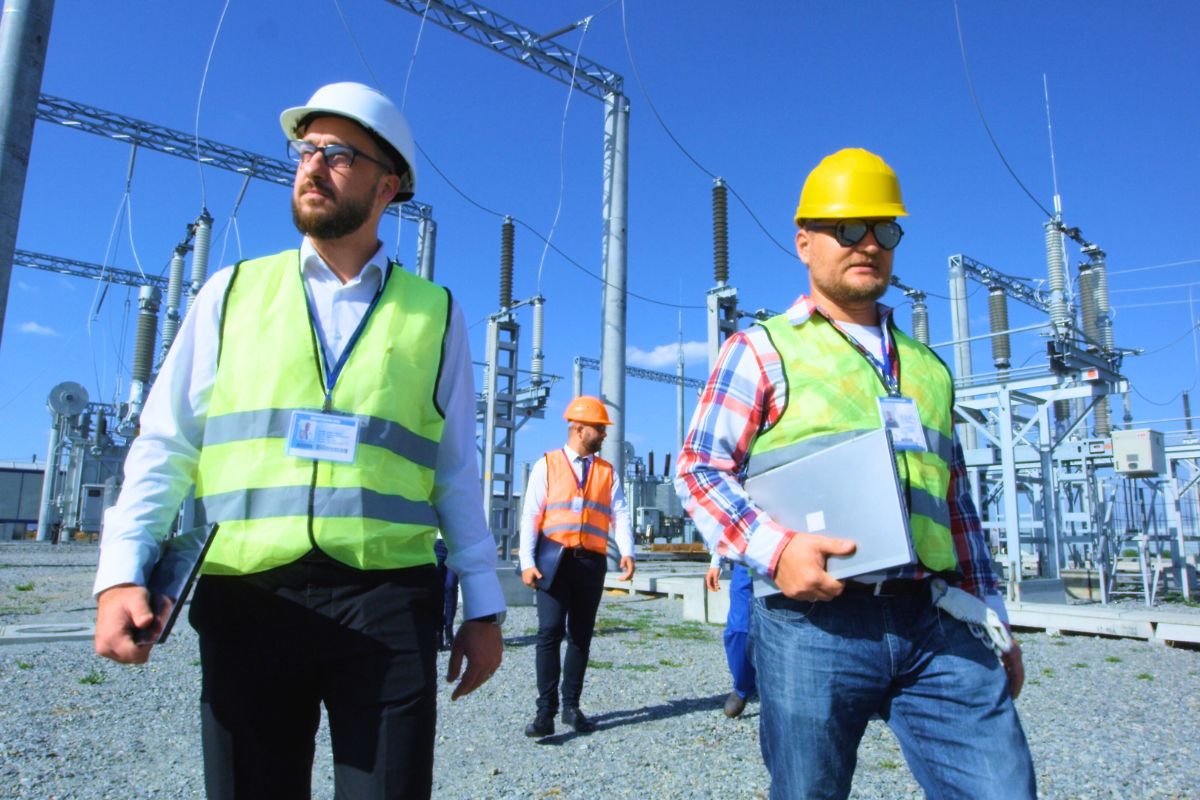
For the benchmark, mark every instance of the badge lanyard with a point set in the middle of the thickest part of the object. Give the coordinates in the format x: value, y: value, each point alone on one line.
x: 882, y: 368
x: 332, y: 373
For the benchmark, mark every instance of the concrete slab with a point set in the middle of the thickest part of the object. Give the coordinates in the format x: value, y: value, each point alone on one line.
x: 1177, y: 632
x: 47, y: 632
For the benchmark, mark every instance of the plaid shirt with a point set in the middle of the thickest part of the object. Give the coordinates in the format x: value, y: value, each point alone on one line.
x: 746, y: 392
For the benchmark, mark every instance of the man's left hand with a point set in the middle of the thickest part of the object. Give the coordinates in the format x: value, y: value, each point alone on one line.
x: 627, y: 567
x: 483, y: 646
x: 1014, y: 668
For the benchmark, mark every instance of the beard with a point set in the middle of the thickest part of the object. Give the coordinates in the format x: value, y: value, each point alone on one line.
x: 846, y: 294
x: 347, y: 216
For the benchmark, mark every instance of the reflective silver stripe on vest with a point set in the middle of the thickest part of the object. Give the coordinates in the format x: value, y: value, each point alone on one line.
x: 593, y: 505
x: 272, y: 423
x: 592, y: 529
x: 939, y: 445
x: 925, y: 504
x: 292, y: 501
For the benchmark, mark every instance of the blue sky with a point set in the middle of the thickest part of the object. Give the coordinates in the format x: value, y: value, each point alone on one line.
x: 756, y: 93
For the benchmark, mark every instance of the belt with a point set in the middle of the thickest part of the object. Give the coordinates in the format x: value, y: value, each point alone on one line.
x: 582, y: 552
x: 892, y: 588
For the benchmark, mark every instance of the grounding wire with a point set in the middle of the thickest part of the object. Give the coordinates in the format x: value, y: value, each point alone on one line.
x: 212, y: 47
x: 654, y: 109
x: 962, y: 47
x: 562, y: 152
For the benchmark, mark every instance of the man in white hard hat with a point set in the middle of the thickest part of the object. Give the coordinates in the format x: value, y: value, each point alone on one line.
x: 573, y: 500
x: 924, y: 646
x: 321, y: 403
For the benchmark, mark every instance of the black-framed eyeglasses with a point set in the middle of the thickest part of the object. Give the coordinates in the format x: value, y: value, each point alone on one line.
x: 849, y: 232
x: 337, y: 156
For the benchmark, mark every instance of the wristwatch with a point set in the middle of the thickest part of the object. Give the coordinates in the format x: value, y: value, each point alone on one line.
x: 493, y: 619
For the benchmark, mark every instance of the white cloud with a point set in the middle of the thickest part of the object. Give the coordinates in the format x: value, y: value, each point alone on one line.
x: 664, y: 356
x: 36, y: 330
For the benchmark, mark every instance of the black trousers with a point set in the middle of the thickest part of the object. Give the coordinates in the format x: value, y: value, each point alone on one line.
x: 569, y: 607
x: 276, y: 645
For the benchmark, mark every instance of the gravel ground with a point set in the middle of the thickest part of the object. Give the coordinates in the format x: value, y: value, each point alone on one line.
x: 1106, y: 718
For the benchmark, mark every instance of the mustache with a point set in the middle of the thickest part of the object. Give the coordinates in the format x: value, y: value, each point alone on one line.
x: 317, y: 185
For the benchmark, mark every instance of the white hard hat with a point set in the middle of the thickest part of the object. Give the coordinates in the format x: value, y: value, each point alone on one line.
x: 369, y: 108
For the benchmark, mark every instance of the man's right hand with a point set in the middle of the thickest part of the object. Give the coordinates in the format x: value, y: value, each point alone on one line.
x: 712, y: 579
x: 530, y: 575
x: 123, y: 618
x: 800, y: 573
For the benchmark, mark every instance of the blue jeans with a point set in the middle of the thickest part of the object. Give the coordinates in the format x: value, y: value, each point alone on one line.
x: 737, y: 631
x: 824, y: 668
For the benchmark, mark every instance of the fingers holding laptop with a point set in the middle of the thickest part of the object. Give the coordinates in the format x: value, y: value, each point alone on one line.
x: 800, y: 573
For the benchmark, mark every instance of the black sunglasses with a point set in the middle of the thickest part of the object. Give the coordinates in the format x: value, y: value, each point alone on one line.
x: 849, y: 232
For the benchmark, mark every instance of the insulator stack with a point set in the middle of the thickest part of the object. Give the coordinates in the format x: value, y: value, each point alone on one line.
x: 1103, y: 312
x: 1187, y: 411
x: 506, y: 263
x: 149, y: 300
x: 174, y: 293
x: 1062, y: 414
x: 1060, y: 310
x: 998, y: 319
x: 920, y: 318
x: 538, y: 360
x: 200, y: 252
x: 720, y: 233
x: 1087, y: 306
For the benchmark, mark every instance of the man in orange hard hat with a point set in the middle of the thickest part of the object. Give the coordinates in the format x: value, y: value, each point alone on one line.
x: 573, y: 500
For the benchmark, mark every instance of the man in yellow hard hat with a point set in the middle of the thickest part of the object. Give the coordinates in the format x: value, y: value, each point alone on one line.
x: 320, y: 401
x: 573, y: 501
x: 916, y: 645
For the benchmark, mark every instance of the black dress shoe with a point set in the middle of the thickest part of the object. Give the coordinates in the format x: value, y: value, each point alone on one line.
x: 575, y: 718
x: 542, y: 725
x: 734, y: 705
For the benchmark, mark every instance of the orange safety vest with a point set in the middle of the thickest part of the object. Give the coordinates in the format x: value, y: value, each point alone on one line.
x: 588, y: 527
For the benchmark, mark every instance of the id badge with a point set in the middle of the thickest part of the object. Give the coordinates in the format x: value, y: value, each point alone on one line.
x: 902, y: 419
x: 576, y: 504
x: 322, y: 437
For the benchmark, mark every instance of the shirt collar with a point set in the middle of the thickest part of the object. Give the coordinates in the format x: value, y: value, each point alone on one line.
x: 312, y: 265
x: 572, y: 455
x: 803, y: 308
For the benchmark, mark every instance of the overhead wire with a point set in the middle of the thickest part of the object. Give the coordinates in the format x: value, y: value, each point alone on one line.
x: 200, y: 100
x: 562, y: 152
x: 962, y: 46
x: 654, y: 110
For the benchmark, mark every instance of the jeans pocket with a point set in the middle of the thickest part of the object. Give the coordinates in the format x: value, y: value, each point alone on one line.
x: 785, y: 609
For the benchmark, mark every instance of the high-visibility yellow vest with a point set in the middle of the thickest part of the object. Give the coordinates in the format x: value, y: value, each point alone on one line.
x: 589, y: 526
x: 832, y: 393
x: 374, y: 513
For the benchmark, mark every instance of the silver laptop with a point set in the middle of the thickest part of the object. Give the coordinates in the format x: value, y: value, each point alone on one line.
x: 849, y: 490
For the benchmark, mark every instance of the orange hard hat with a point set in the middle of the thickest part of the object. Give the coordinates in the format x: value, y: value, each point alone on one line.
x: 588, y: 410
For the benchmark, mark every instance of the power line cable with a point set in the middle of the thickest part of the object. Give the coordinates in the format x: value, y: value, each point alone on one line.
x: 654, y: 109
x: 1155, y: 266
x: 212, y: 47
x: 979, y: 109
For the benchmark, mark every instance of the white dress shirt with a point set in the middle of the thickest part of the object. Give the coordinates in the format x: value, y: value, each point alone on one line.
x: 535, y: 500
x: 161, y: 468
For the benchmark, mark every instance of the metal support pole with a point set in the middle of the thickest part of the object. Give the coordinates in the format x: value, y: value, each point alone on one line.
x: 1012, y: 521
x: 616, y: 217
x: 24, y: 37
x: 961, y: 333
x: 49, y: 479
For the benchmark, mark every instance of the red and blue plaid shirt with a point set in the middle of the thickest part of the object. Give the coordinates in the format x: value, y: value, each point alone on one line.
x: 747, y: 391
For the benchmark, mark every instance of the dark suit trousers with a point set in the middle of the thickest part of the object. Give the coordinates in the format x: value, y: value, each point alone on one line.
x: 276, y: 645
x: 569, y: 607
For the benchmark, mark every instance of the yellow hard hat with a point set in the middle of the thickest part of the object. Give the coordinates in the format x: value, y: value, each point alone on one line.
x: 850, y: 184
x: 588, y: 410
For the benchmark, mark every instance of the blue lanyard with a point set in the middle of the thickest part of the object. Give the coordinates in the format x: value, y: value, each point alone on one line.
x: 882, y: 368
x: 332, y: 373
